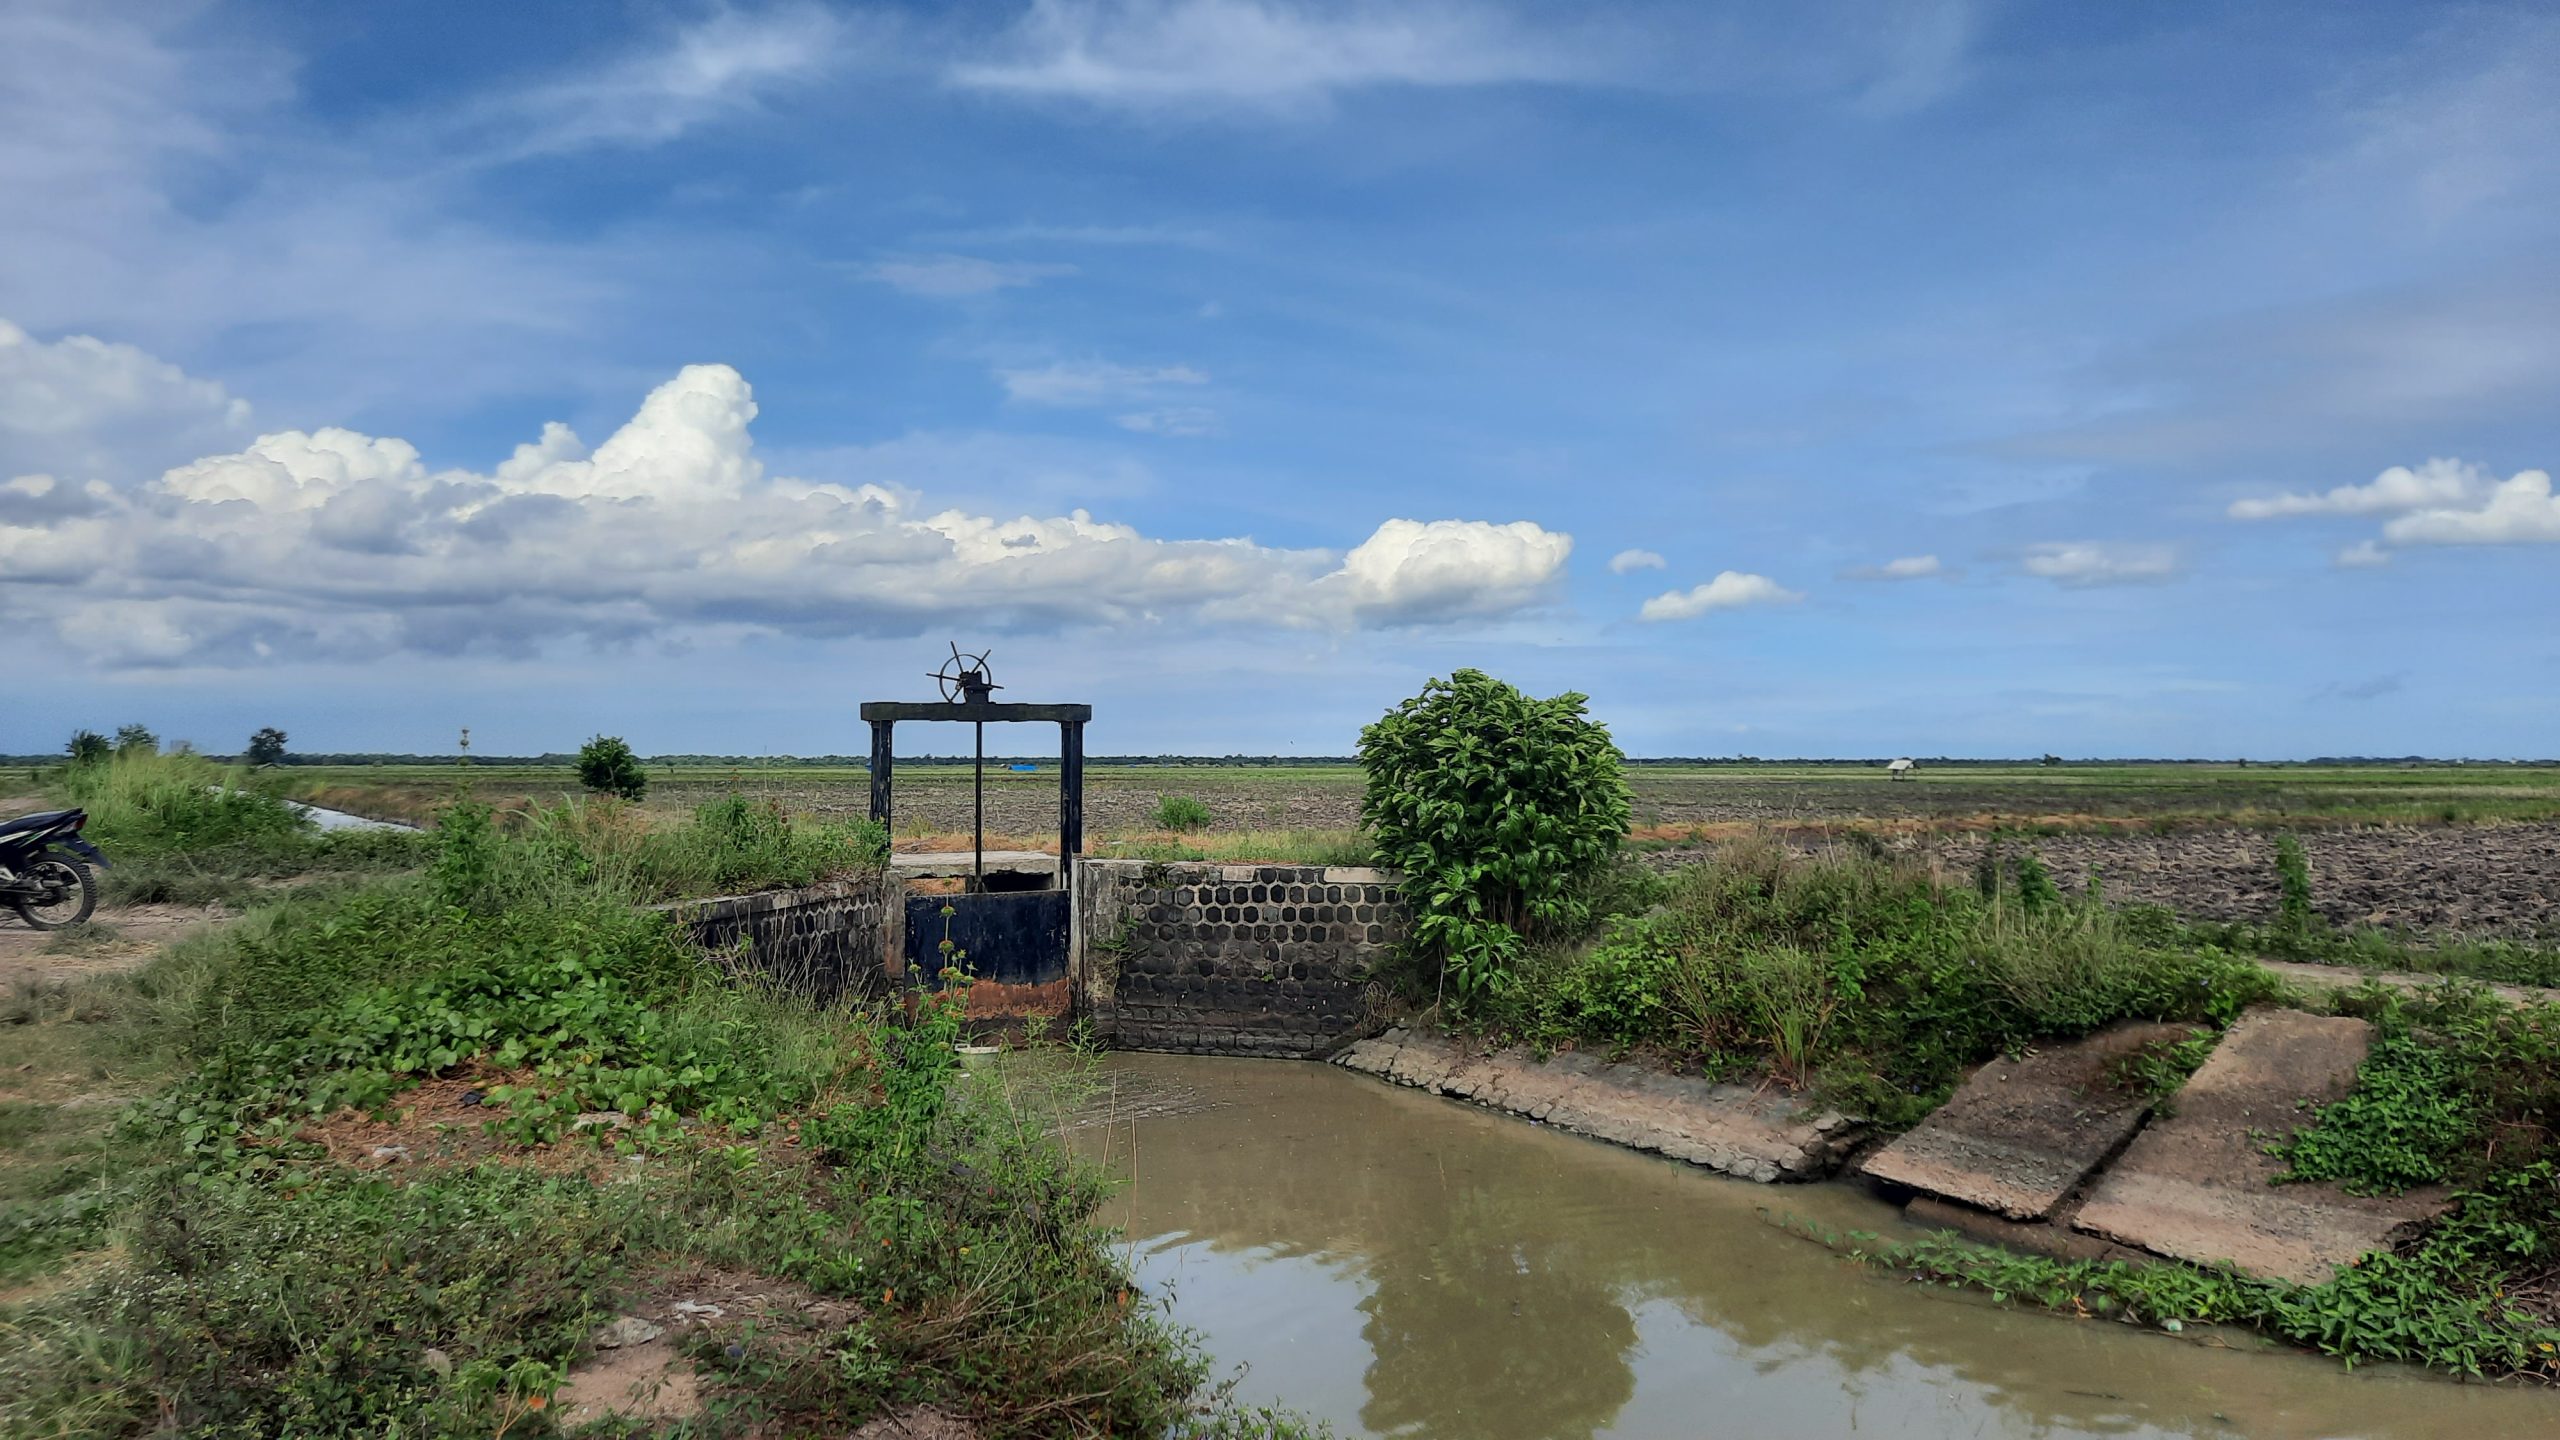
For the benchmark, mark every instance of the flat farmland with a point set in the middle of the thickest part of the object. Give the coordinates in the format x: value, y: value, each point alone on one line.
x: 1122, y: 798
x: 2429, y: 848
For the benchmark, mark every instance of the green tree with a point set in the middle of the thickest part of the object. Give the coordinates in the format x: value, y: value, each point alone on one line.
x: 607, y: 766
x: 136, y: 740
x: 1501, y: 811
x: 88, y: 747
x: 267, y: 747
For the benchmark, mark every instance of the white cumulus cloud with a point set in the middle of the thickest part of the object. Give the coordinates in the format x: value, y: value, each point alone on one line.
x: 1730, y: 590
x: 2519, y: 510
x: 2094, y: 562
x: 79, y: 407
x: 2435, y: 483
x: 336, y: 543
x: 1627, y: 562
x: 1412, y: 571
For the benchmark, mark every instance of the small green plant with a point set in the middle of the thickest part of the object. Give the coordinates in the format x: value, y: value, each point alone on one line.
x: 1501, y: 811
x: 1181, y: 812
x: 607, y: 766
x: 2294, y: 919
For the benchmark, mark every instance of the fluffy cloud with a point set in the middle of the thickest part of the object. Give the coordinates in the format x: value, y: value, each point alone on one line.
x: 80, y: 408
x: 1627, y: 562
x: 1730, y: 590
x: 1092, y: 382
x: 332, y: 542
x: 1909, y: 567
x: 2436, y: 483
x: 2520, y: 510
x: 2362, y: 555
x: 952, y: 277
x: 2092, y: 562
x: 1412, y: 571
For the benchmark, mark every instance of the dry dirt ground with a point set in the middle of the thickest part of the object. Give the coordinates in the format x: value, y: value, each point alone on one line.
x: 114, y: 939
x: 2475, y: 880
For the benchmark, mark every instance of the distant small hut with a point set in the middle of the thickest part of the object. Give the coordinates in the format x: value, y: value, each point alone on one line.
x: 1900, y: 769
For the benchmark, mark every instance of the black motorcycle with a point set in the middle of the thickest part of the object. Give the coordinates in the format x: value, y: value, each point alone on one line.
x: 44, y: 868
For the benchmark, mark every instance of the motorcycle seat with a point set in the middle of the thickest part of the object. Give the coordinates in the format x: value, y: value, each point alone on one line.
x: 41, y: 820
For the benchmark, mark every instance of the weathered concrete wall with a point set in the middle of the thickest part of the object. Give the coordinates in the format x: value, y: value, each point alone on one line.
x: 1230, y: 959
x: 831, y: 942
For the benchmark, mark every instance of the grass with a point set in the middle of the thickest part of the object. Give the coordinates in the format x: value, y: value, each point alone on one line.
x: 213, y: 1269
x: 1867, y: 981
x: 180, y: 829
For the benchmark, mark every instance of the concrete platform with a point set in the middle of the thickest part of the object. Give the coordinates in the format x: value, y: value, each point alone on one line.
x: 2020, y: 1135
x: 944, y: 865
x: 1764, y: 1136
x: 2199, y: 1184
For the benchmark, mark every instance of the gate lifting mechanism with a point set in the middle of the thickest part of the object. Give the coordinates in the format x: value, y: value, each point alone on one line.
x: 968, y: 689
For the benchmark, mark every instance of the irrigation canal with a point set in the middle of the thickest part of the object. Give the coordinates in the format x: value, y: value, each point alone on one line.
x: 1404, y: 1265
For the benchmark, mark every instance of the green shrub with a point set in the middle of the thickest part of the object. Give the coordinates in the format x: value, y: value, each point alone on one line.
x: 142, y: 802
x: 1181, y: 812
x: 1500, y: 811
x: 88, y: 747
x: 607, y: 766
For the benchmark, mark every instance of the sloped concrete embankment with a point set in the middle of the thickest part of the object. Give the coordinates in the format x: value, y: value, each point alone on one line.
x: 2049, y: 1154
x: 1756, y: 1135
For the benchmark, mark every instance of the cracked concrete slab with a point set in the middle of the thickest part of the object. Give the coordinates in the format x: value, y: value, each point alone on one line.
x: 2199, y: 1185
x: 2018, y: 1136
x: 1757, y: 1135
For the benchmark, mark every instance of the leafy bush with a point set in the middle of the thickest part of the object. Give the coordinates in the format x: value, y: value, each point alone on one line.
x: 88, y: 747
x: 136, y: 740
x: 1500, y: 811
x: 1181, y: 812
x: 607, y: 766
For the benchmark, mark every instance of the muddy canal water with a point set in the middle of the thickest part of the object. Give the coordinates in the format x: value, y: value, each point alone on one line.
x: 1403, y: 1265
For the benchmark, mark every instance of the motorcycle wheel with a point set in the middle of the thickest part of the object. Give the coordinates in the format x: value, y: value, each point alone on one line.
x: 79, y: 892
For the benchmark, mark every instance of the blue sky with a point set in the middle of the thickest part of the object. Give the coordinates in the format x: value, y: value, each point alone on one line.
x: 1811, y: 380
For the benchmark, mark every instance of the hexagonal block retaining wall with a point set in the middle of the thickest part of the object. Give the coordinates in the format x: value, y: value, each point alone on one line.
x: 1231, y: 959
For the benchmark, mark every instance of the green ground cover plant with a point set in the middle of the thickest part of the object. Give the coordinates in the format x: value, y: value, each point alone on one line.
x: 239, y: 1281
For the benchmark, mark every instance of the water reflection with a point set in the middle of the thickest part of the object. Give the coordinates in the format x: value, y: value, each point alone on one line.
x: 1480, y: 1327
x: 1406, y: 1266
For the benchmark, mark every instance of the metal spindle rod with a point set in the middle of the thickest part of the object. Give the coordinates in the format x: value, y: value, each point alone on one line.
x: 978, y: 805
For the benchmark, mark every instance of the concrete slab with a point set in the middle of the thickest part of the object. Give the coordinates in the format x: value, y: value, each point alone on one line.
x: 2200, y: 1185
x: 946, y: 864
x: 2020, y: 1135
x: 1764, y: 1136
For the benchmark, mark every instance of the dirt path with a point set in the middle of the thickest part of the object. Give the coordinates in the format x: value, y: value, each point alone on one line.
x: 115, y: 939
